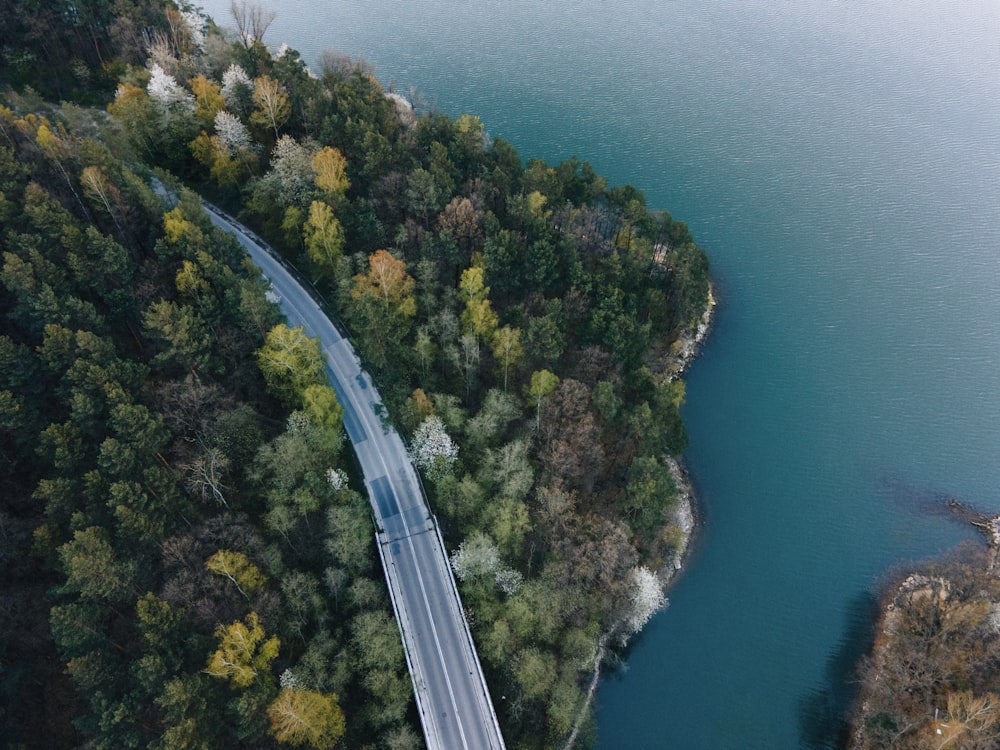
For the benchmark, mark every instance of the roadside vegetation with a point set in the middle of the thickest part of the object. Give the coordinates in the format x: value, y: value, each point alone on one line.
x: 186, y: 562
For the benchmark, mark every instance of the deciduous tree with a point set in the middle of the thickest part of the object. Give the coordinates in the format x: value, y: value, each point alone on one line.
x: 237, y: 88
x: 464, y: 223
x: 273, y: 106
x: 232, y: 132
x: 507, y: 350
x: 203, y: 475
x: 324, y: 239
x: 290, y: 362
x: 306, y: 718
x: 478, y: 317
x: 650, y: 489
x: 236, y: 566
x: 647, y: 599
x: 349, y: 535
x: 171, y: 96
x: 244, y: 652
x: 543, y: 384
x: 432, y: 449
x: 385, y: 304
x: 252, y: 21
x: 330, y: 167
x: 103, y: 194
x: 208, y: 100
x: 291, y: 168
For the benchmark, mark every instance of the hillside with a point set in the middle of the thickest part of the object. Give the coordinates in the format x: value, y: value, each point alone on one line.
x: 173, y: 459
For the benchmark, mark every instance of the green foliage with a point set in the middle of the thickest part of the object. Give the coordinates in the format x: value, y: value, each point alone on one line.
x: 320, y: 404
x: 190, y: 718
x: 650, y: 490
x: 290, y: 362
x: 110, y: 300
x: 536, y: 673
x: 384, y: 305
x: 138, y: 348
x: 93, y: 569
x: 543, y: 384
x: 350, y: 537
x: 324, y: 238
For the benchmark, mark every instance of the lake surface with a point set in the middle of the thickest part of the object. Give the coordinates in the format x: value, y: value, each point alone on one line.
x: 840, y: 162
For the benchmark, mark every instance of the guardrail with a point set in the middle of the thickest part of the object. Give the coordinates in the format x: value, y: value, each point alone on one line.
x: 432, y: 730
x: 468, y: 632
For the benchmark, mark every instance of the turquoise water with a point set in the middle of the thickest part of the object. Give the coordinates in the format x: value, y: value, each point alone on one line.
x: 840, y: 162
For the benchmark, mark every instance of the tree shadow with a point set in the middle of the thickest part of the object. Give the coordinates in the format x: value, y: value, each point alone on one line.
x: 824, y: 714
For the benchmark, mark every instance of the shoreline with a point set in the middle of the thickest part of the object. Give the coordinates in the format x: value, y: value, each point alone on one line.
x: 685, y: 514
x: 950, y: 585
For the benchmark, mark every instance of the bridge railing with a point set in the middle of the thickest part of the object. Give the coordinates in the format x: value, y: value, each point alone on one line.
x: 427, y: 720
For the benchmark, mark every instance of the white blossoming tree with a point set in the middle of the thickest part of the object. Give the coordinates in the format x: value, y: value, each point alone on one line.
x: 337, y: 478
x: 509, y: 580
x: 291, y: 166
x: 647, y: 600
x: 288, y: 680
x: 478, y: 557
x: 432, y: 449
x: 298, y: 423
x: 237, y: 87
x: 233, y: 78
x: 233, y: 133
x: 164, y: 89
x: 195, y: 28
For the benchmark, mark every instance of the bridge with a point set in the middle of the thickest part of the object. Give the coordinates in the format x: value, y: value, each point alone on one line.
x: 452, y: 699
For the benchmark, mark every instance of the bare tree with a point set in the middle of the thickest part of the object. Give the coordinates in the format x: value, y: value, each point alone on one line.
x: 339, y: 64
x: 203, y: 476
x: 252, y: 21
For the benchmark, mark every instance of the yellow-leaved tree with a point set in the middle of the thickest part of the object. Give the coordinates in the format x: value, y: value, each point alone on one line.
x: 478, y: 318
x: 330, y: 167
x: 237, y: 568
x: 290, y: 361
x: 243, y: 653
x: 273, y: 106
x: 306, y: 718
x: 384, y: 305
x: 324, y: 238
x: 208, y: 100
x: 507, y: 350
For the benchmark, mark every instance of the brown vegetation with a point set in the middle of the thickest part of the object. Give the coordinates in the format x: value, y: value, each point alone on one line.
x: 933, y: 678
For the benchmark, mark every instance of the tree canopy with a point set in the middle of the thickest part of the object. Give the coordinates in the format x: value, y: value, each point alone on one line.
x: 172, y: 454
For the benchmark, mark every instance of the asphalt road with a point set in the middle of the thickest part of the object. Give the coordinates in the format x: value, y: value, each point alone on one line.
x: 452, y: 697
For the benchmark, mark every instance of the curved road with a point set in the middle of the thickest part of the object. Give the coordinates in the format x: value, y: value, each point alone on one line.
x: 452, y: 697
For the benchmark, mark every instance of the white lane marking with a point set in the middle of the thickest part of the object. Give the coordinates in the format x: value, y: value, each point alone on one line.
x: 377, y: 445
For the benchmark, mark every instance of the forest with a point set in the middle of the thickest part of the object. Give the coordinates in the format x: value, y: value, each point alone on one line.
x: 187, y: 558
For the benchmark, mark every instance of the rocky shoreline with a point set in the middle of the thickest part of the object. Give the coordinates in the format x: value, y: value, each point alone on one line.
x: 987, y: 525
x: 683, y: 514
